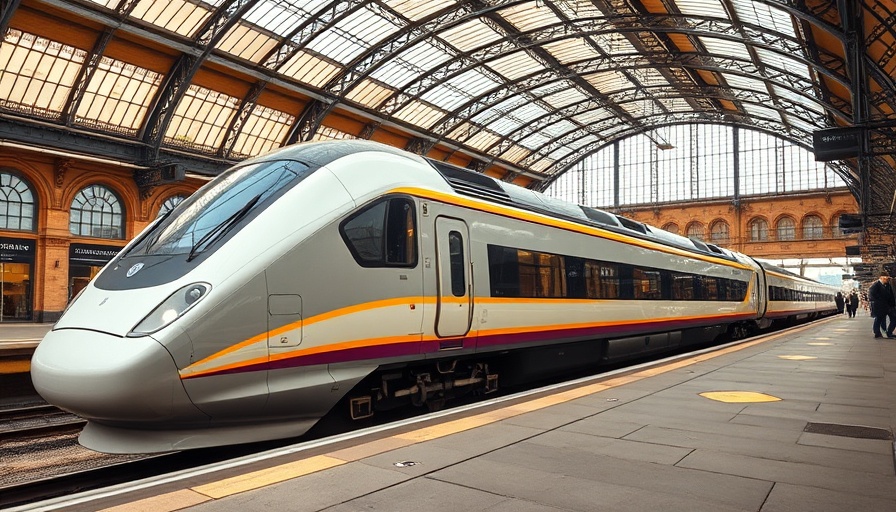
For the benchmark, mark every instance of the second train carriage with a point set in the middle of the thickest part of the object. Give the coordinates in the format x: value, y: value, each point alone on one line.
x: 353, y: 270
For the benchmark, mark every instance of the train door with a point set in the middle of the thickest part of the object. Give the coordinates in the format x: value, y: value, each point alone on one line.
x: 453, y: 308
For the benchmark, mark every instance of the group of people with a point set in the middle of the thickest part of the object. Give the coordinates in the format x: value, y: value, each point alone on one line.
x: 850, y: 303
x: 883, y: 306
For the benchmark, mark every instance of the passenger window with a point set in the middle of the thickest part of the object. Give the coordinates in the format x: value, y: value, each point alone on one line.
x: 456, y: 254
x: 383, y: 235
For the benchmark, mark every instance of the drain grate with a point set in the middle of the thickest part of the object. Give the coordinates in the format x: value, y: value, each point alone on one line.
x: 833, y: 429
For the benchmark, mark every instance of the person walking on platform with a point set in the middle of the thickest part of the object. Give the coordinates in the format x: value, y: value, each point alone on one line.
x: 882, y: 303
x: 853, y: 303
x: 838, y: 301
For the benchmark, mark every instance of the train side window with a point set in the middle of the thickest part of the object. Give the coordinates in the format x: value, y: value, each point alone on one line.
x: 383, y: 235
x: 646, y: 283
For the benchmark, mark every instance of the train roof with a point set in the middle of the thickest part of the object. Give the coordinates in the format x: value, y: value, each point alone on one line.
x: 478, y: 185
x: 471, y: 183
x: 774, y: 268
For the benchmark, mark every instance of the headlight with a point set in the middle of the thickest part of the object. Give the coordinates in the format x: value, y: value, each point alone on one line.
x: 171, y: 309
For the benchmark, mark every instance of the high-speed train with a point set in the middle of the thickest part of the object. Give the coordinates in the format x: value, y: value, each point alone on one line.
x: 355, y: 274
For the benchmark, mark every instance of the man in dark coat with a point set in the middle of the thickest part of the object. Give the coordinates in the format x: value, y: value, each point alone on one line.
x: 882, y: 302
x: 853, y: 301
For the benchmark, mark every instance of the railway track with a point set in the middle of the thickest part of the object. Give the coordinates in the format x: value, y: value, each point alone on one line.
x: 36, y: 420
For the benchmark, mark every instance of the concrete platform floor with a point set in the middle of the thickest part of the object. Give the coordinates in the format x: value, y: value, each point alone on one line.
x: 800, y: 421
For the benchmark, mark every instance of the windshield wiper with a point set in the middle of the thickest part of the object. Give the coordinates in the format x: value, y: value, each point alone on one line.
x: 222, y: 228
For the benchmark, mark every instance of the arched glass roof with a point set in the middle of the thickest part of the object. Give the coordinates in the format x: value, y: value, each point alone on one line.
x: 522, y: 90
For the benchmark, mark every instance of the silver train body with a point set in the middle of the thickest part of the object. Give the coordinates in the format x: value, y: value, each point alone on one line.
x: 352, y: 272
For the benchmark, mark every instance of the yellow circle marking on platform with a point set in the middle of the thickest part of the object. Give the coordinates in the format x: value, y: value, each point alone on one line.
x: 816, y: 344
x: 739, y: 397
x: 798, y: 358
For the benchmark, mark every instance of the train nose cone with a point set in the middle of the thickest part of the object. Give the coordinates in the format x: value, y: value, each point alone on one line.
x: 111, y: 379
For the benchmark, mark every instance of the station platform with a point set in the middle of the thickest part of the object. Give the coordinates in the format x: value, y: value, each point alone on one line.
x: 17, y: 343
x: 800, y: 420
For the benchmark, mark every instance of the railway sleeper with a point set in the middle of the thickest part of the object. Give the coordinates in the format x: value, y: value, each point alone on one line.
x: 423, y: 388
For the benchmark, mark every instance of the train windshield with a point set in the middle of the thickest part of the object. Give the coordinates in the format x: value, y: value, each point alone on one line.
x: 216, y: 209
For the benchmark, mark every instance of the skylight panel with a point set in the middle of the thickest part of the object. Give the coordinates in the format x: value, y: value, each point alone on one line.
x: 608, y: 82
x: 560, y: 128
x: 764, y: 15
x: 592, y: 116
x: 504, y: 124
x: 560, y: 153
x: 353, y: 36
x: 263, y: 131
x: 509, y: 104
x: 111, y: 4
x: 648, y: 77
x: 37, y: 74
x: 482, y: 140
x: 534, y: 141
x: 516, y: 65
x: 461, y: 89
x: 369, y: 93
x: 795, y: 97
x: 529, y: 16
x: 330, y: 133
x: 282, y: 16
x: 409, y: 65
x: 529, y: 112
x: 542, y: 165
x: 572, y: 50
x: 470, y: 35
x: 417, y: 10
x: 710, y: 8
x: 613, y: 43
x: 201, y: 119
x: 743, y: 82
x: 762, y: 112
x: 784, y: 63
x: 725, y: 47
x: 515, y: 153
x: 179, y: 16
x: 246, y: 42
x: 804, y: 127
x: 310, y: 69
x: 565, y: 97
x: 420, y: 114
x: 643, y: 108
x: 117, y: 97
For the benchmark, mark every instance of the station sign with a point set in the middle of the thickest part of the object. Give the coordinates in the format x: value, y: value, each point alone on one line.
x: 91, y: 255
x: 837, y: 143
x: 16, y: 250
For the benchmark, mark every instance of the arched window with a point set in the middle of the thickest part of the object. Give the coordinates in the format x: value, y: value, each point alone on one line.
x: 813, y: 227
x: 718, y: 232
x: 170, y: 204
x: 786, y: 228
x: 758, y: 230
x: 696, y: 231
x: 16, y: 203
x: 672, y: 228
x: 96, y: 212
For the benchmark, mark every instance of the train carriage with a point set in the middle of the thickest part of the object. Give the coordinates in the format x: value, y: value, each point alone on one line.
x: 352, y: 272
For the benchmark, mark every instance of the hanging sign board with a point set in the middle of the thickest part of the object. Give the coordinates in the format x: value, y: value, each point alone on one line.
x: 837, y: 143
